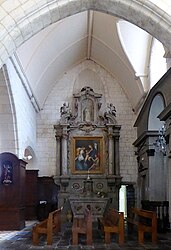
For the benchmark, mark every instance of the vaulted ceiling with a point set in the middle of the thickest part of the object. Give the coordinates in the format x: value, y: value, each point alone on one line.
x: 89, y: 35
x: 50, y: 37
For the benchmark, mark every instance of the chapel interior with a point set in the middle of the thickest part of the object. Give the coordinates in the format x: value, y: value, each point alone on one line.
x: 85, y: 109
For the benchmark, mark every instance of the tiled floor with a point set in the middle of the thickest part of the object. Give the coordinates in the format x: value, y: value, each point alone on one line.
x: 22, y: 240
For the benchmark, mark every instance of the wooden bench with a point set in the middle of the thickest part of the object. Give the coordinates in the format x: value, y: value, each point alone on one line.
x: 82, y: 226
x: 146, y: 221
x: 113, y: 222
x: 49, y: 226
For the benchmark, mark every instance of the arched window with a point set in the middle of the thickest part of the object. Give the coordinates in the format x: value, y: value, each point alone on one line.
x: 156, y: 108
x: 28, y: 153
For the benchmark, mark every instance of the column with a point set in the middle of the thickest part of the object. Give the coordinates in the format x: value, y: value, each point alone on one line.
x: 64, y: 150
x: 117, y: 162
x: 111, y: 150
x: 58, y: 160
x: 58, y: 149
x: 169, y: 176
x: 116, y: 152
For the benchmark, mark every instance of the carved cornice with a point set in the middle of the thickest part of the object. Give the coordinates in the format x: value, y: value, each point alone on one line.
x: 88, y: 92
x: 87, y: 127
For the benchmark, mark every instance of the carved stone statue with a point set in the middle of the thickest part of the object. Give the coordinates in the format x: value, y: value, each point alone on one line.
x: 88, y: 111
x: 86, y: 115
x: 111, y: 109
x: 65, y: 109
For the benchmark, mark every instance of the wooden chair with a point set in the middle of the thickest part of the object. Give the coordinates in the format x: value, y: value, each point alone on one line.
x: 82, y: 226
x: 48, y: 227
x: 113, y: 222
x: 146, y: 222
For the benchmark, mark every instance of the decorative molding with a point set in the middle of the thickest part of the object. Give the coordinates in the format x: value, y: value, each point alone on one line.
x: 87, y: 127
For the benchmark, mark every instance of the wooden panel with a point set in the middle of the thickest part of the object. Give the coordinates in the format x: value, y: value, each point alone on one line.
x: 12, y: 198
x: 12, y: 218
x: 31, y: 194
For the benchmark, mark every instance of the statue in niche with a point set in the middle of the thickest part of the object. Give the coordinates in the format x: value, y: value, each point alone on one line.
x: 88, y: 110
x: 111, y: 109
x: 86, y: 115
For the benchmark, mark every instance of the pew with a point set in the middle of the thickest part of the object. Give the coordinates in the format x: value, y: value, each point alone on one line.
x: 146, y: 222
x: 113, y: 222
x: 48, y: 227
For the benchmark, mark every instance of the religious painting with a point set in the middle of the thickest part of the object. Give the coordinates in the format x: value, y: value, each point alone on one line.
x: 6, y: 172
x: 87, y: 155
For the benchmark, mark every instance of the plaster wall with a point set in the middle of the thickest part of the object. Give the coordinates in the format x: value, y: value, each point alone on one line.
x: 7, y: 128
x: 24, y: 113
x: 101, y: 82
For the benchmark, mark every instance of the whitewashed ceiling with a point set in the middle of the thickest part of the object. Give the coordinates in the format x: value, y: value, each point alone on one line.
x: 119, y: 47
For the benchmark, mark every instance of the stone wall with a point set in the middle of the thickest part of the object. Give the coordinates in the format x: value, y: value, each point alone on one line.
x: 101, y: 82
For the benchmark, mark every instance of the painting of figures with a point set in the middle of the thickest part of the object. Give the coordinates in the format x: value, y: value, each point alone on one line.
x: 88, y: 154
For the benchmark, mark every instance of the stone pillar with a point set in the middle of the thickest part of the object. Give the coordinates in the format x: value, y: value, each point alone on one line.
x: 169, y: 174
x: 58, y: 151
x: 114, y: 185
x: 169, y: 187
x: 64, y: 150
x: 116, y: 152
x: 58, y: 160
x: 111, y: 150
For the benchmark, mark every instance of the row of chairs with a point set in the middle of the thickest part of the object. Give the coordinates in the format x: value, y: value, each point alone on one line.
x: 112, y: 222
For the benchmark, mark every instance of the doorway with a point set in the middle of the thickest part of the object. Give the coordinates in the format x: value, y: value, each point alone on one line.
x: 126, y: 198
x: 123, y: 200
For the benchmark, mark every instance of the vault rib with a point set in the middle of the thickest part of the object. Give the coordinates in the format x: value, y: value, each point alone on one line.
x: 90, y: 16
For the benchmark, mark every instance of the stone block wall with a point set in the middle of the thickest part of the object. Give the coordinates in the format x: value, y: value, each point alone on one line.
x: 63, y: 92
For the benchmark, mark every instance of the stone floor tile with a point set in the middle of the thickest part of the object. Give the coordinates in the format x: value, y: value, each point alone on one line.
x: 74, y: 247
x: 22, y: 240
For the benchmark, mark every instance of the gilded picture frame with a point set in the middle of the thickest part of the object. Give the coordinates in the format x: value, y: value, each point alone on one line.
x: 87, y: 155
